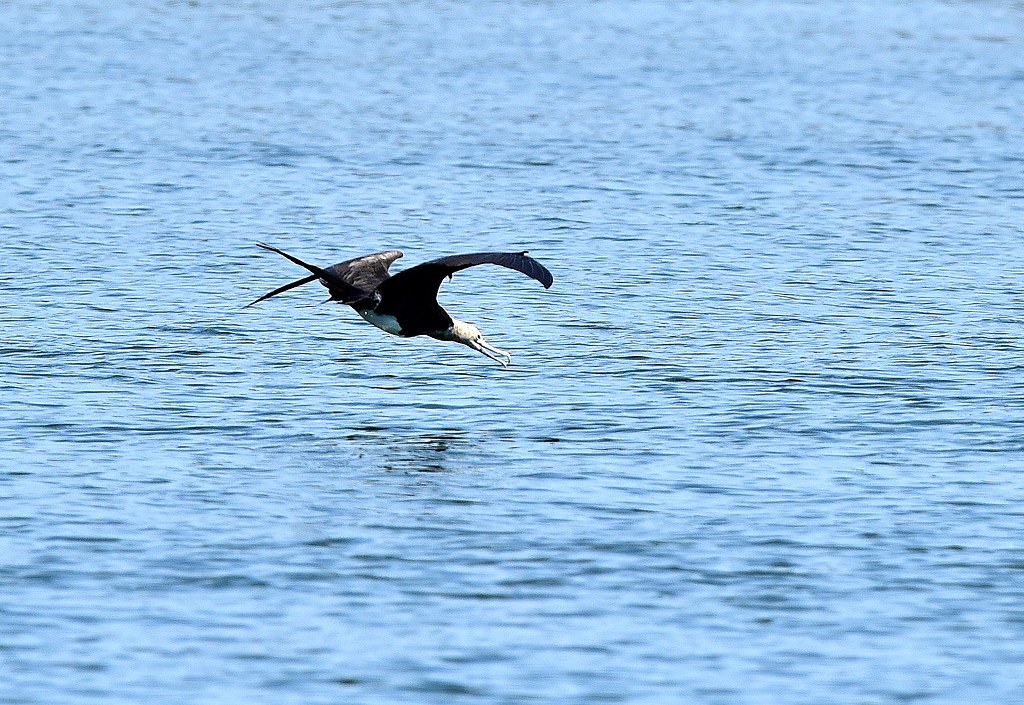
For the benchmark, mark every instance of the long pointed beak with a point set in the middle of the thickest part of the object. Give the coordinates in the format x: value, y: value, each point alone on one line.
x: 496, y: 354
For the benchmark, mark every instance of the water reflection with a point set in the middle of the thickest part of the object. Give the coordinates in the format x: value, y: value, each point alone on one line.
x: 398, y: 451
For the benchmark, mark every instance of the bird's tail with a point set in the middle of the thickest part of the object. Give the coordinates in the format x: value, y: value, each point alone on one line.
x: 339, y: 288
x: 282, y: 289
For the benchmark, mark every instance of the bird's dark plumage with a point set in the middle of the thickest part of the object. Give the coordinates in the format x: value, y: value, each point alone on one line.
x: 365, y: 273
x: 406, y: 304
x: 432, y: 273
x: 411, y: 295
x: 348, y: 281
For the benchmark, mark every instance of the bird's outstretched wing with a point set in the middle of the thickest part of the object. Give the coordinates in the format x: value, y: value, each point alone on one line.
x: 347, y: 281
x: 426, y: 278
x: 365, y: 273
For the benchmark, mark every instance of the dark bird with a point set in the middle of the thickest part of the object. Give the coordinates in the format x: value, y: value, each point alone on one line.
x: 406, y: 304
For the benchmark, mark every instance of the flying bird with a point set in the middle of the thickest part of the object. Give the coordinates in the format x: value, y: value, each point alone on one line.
x: 406, y: 304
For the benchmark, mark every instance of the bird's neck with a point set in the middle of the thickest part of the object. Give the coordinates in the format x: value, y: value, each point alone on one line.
x: 458, y: 332
x: 447, y: 334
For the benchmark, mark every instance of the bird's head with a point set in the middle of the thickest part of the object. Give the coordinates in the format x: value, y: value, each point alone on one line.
x: 468, y: 334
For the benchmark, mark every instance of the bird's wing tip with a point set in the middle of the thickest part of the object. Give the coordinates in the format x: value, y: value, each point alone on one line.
x: 543, y: 276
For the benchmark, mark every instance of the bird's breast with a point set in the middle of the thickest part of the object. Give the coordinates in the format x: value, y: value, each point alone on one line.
x: 382, y: 320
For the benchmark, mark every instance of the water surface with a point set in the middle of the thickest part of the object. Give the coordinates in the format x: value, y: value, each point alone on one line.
x: 760, y: 443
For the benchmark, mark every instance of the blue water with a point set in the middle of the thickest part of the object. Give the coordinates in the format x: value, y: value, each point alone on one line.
x: 762, y: 441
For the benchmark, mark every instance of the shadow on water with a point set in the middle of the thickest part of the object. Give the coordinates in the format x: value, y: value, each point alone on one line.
x: 397, y: 451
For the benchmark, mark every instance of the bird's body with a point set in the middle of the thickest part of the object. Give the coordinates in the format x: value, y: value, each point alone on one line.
x: 388, y: 324
x: 406, y: 304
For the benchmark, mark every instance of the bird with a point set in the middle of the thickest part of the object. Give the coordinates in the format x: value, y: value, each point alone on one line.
x: 405, y: 304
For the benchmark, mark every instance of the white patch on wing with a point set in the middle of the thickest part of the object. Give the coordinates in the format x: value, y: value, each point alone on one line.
x: 385, y: 323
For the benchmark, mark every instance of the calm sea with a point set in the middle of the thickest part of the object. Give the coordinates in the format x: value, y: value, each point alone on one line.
x: 762, y: 442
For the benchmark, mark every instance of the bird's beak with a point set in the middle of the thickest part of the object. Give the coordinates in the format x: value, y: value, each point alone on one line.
x: 496, y: 354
